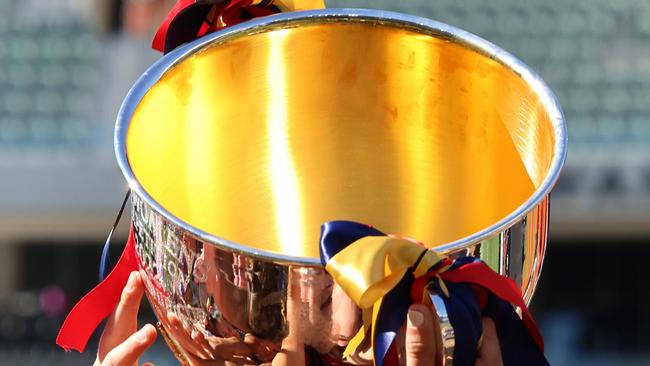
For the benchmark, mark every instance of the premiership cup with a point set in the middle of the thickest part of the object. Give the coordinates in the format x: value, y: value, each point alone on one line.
x: 239, y: 145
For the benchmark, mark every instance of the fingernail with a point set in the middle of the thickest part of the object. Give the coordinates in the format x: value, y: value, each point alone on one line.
x: 141, y: 335
x: 130, y: 284
x: 415, y: 318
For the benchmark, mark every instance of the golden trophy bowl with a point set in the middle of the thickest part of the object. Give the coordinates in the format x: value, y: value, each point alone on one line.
x: 239, y: 145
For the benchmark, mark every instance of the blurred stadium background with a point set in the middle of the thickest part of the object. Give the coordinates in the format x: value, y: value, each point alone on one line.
x: 65, y: 66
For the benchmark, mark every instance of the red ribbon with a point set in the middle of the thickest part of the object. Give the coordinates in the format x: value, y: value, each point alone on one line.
x: 99, y: 303
x: 191, y: 19
x: 483, y: 279
x: 479, y: 273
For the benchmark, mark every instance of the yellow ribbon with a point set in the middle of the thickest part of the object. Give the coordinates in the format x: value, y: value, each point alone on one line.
x: 370, y: 267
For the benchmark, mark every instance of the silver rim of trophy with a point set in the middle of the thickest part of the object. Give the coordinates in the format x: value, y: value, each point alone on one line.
x: 157, y: 70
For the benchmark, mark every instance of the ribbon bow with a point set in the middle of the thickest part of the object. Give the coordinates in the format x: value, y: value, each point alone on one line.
x: 191, y: 19
x: 384, y: 275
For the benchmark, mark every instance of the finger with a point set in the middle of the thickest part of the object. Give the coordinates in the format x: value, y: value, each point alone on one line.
x: 312, y: 305
x: 199, y: 339
x: 233, y: 349
x: 346, y: 317
x: 264, y: 350
x: 184, y: 338
x: 124, y: 320
x: 419, y: 345
x: 490, y: 352
x: 289, y: 356
x: 237, y: 347
x: 127, y: 353
x: 293, y: 348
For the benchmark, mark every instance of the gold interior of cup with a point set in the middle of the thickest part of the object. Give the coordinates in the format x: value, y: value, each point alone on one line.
x: 262, y: 138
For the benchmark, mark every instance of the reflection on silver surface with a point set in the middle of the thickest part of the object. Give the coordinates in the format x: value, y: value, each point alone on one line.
x: 209, y: 299
x: 448, y: 340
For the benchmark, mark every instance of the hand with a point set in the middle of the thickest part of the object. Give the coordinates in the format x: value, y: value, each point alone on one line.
x: 120, y: 344
x: 420, y: 345
x: 490, y: 352
x: 210, y: 350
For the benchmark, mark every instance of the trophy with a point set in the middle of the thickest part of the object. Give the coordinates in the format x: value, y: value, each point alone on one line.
x: 238, y: 146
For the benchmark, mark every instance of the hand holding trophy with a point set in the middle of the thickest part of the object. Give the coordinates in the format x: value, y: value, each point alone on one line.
x: 121, y: 346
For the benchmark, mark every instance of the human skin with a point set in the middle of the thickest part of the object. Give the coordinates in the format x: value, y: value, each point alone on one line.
x: 122, y: 343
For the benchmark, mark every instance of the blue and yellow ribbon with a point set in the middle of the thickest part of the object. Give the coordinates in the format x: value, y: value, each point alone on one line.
x: 385, y: 274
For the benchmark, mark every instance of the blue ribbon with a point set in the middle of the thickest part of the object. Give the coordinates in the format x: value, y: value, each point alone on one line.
x: 105, y: 261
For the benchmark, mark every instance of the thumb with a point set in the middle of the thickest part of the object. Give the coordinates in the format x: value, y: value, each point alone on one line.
x: 128, y: 352
x: 420, y: 345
